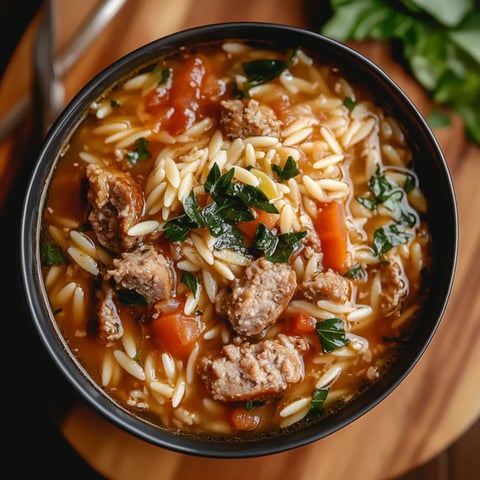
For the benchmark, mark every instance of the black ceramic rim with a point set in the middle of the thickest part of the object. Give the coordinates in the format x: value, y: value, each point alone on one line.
x: 443, y: 221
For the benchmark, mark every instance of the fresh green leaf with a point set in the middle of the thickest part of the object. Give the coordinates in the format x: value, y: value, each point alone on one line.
x: 438, y: 119
x: 446, y: 12
x: 277, y: 249
x: 251, y: 404
x: 265, y: 240
x: 288, y: 171
x: 191, y: 281
x: 349, y: 103
x: 331, y: 334
x: 264, y: 70
x: 52, y: 254
x: 318, y: 399
x: 410, y: 183
x: 177, y: 228
x: 390, y: 236
x: 232, y: 239
x: 287, y: 244
x: 438, y: 42
x: 251, y: 196
x: 192, y: 210
x: 387, y: 193
x: 354, y: 272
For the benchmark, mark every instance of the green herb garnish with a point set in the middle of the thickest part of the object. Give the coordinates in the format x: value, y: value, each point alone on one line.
x: 390, y: 236
x: 52, y: 254
x: 261, y: 71
x: 140, y: 151
x: 318, y: 399
x: 355, y: 272
x: 232, y: 203
x: 387, y: 193
x: 288, y: 171
x: 349, y: 103
x: 277, y: 249
x: 191, y: 281
x: 331, y: 334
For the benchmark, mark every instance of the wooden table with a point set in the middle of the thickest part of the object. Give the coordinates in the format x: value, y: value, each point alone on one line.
x: 432, y: 407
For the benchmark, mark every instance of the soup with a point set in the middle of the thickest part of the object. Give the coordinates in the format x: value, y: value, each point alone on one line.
x: 234, y: 240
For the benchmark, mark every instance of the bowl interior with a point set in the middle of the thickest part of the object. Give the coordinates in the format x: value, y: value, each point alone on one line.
x: 430, y: 166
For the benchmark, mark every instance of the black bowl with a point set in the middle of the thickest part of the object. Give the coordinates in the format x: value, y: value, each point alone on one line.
x: 430, y: 167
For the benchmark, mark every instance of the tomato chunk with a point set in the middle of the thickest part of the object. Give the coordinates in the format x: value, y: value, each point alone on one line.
x: 249, y: 227
x: 302, y: 323
x: 193, y: 91
x: 176, y: 333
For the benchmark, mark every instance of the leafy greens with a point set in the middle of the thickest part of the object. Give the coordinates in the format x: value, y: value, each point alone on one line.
x: 233, y: 202
x: 439, y: 42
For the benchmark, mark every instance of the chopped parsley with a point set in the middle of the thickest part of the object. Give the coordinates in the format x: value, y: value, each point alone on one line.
x: 233, y: 202
x: 349, y: 103
x: 355, y: 272
x: 331, y: 334
x: 140, y: 151
x: 288, y: 171
x: 262, y: 71
x: 318, y: 399
x: 392, y: 197
x: 277, y: 248
x: 165, y: 76
x: 191, y: 281
x: 52, y: 255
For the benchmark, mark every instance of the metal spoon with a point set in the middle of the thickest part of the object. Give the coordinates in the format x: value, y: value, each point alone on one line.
x: 59, y: 67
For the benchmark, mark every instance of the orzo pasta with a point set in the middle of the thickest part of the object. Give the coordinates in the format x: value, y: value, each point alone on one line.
x: 234, y: 240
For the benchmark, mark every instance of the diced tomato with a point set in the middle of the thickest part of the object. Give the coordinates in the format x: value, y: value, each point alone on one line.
x: 194, y: 91
x: 176, y: 333
x: 242, y: 419
x: 331, y: 227
x: 302, y: 323
x: 249, y: 227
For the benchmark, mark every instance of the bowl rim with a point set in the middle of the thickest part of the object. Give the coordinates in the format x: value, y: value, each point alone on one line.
x: 30, y: 268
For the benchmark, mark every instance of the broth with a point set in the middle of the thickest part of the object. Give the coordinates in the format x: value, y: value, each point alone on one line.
x: 257, y: 249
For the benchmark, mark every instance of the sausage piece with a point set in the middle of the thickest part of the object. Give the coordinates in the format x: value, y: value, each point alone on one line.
x: 258, y: 298
x: 327, y: 285
x: 248, y: 119
x: 146, y: 271
x: 253, y: 371
x: 394, y: 286
x: 109, y: 326
x: 116, y: 201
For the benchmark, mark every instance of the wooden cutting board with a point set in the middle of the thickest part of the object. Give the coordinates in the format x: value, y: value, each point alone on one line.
x: 437, y: 401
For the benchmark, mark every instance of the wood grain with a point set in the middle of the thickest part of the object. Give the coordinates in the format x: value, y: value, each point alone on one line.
x: 432, y: 407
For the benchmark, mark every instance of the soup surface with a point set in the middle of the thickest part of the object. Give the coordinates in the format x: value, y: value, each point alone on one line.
x: 234, y: 240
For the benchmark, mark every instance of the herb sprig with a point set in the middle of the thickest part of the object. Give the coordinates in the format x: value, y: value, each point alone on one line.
x: 392, y: 197
x: 233, y: 202
x: 331, y: 333
x: 262, y: 71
